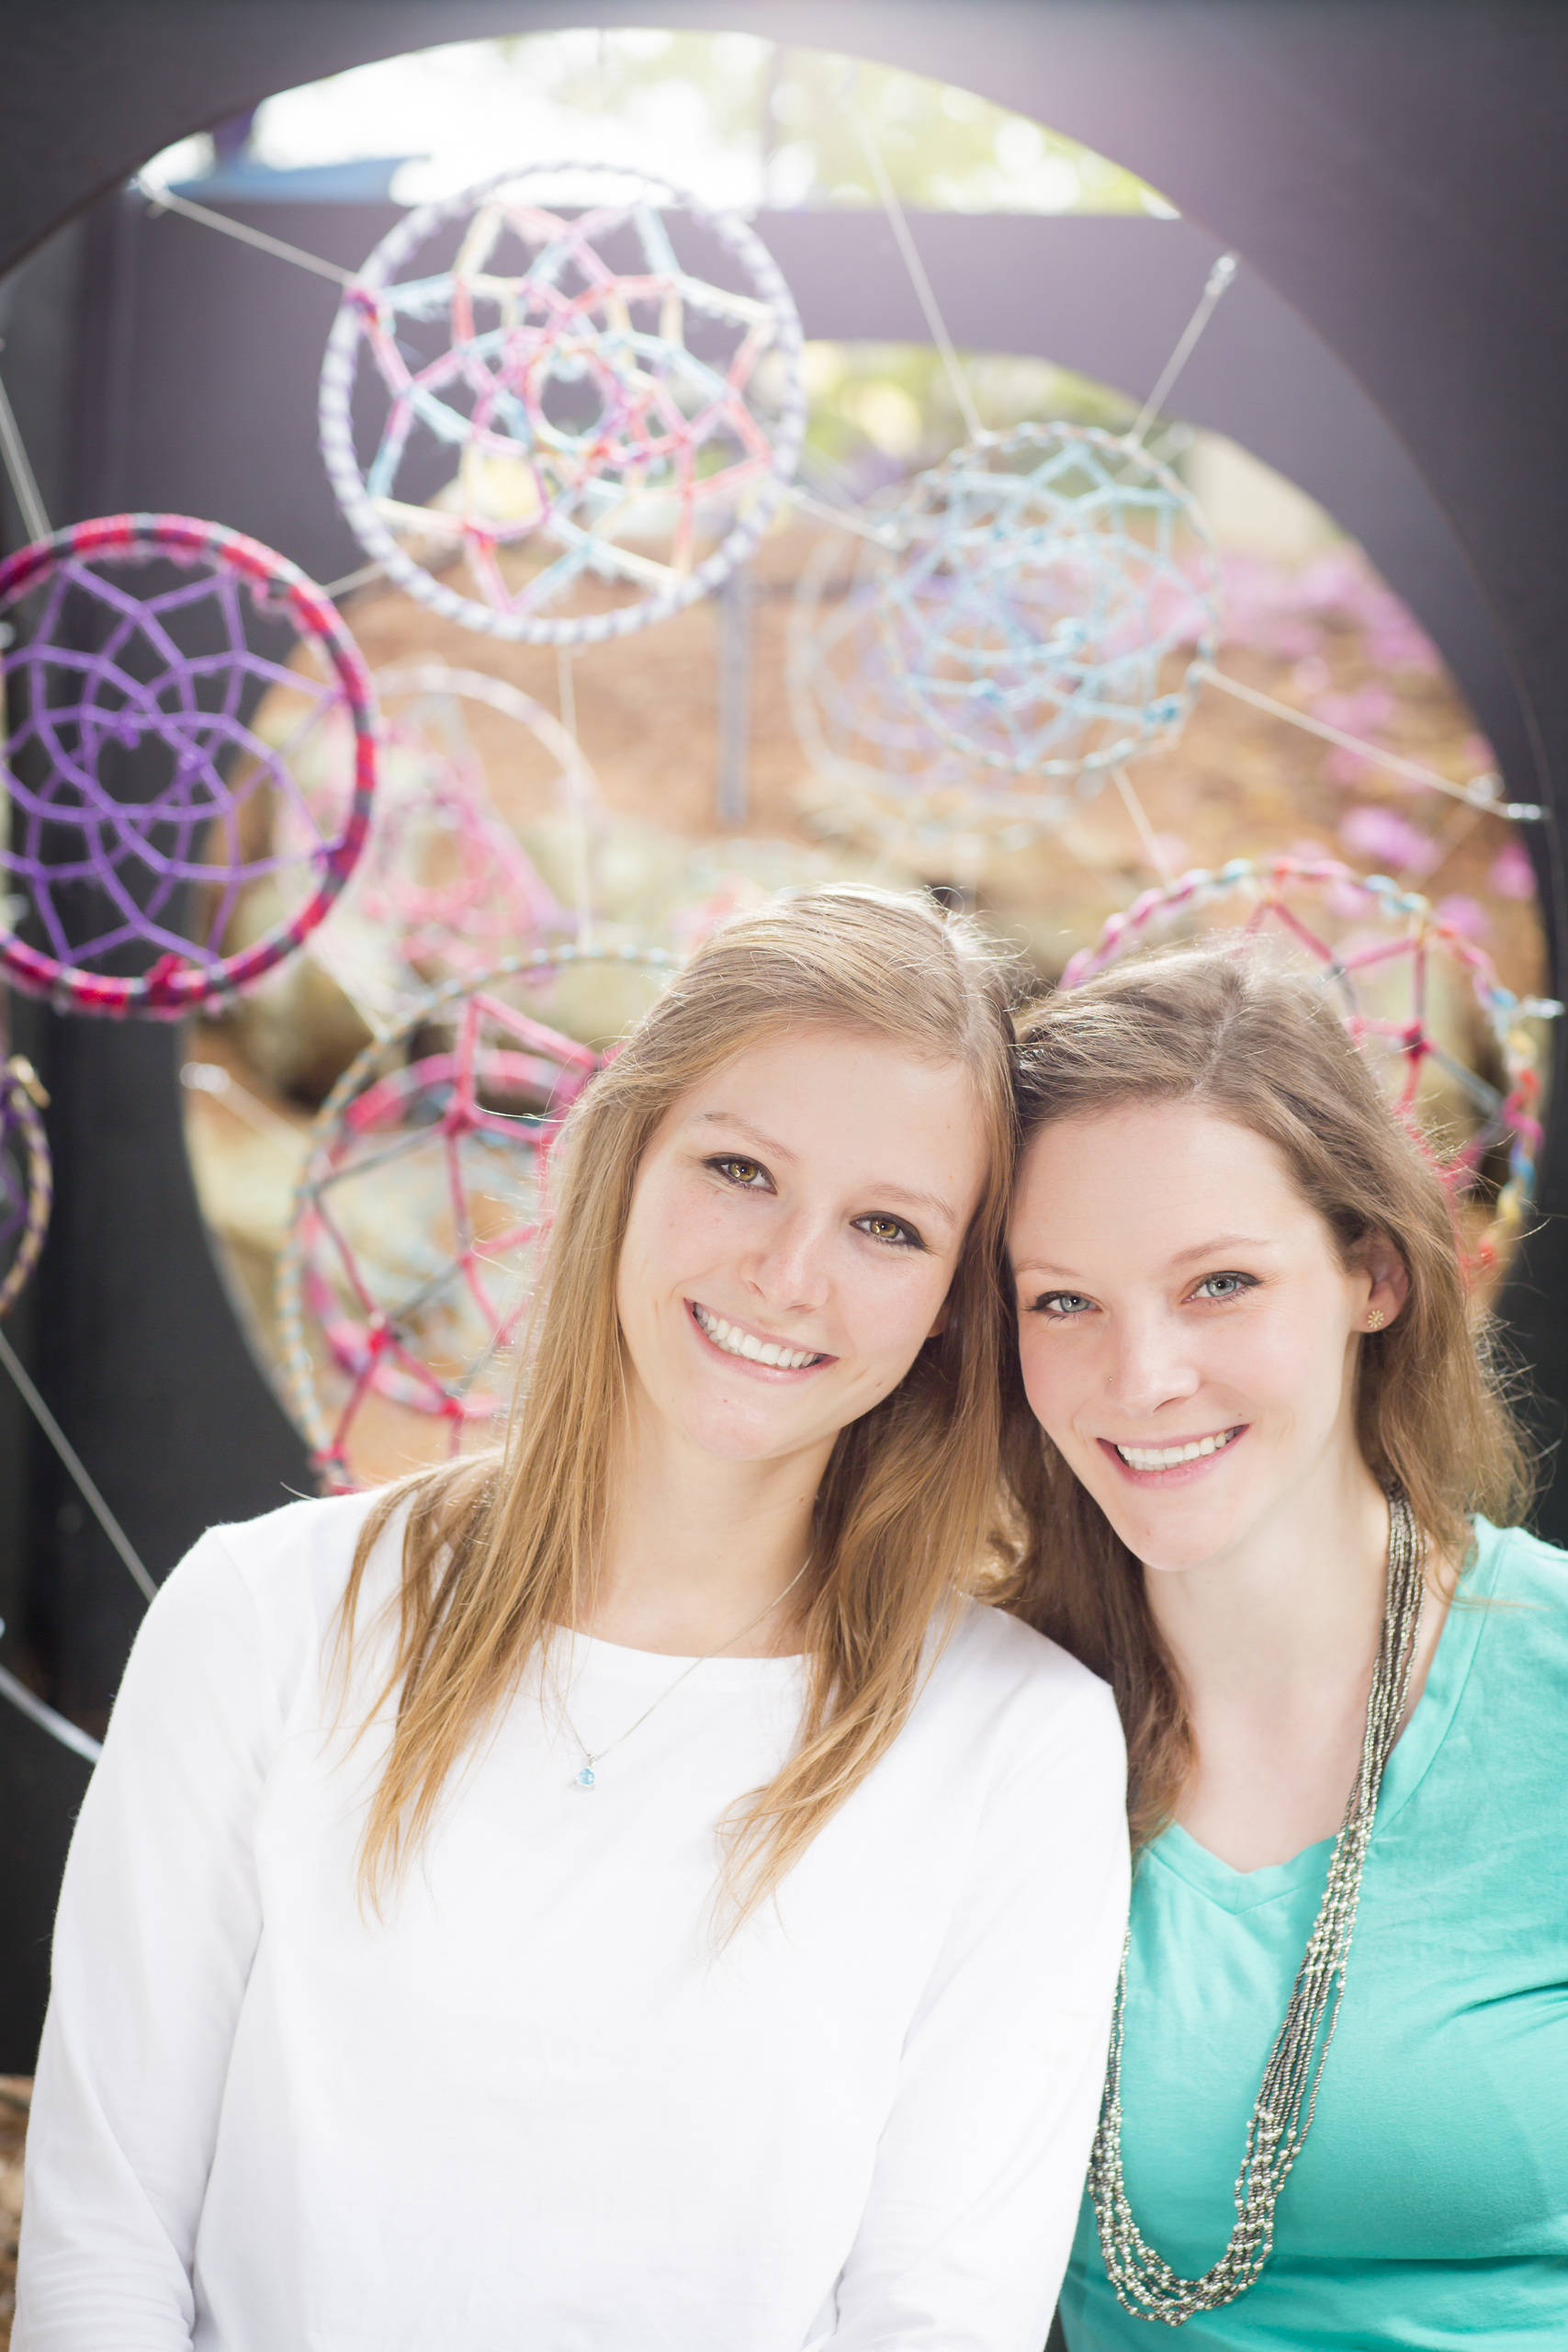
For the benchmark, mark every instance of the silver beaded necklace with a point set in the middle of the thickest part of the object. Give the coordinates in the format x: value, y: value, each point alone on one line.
x: 587, y: 1776
x: 1283, y: 2112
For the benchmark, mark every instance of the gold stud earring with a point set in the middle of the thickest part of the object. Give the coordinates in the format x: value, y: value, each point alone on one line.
x: 1376, y: 1319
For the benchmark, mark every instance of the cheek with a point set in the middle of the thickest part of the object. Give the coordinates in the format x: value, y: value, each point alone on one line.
x: 1056, y: 1374
x: 672, y: 1225
x: 1293, y: 1363
x: 887, y: 1311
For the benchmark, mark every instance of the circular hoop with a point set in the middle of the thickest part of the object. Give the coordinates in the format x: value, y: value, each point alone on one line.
x: 663, y: 404
x: 1037, y: 591
x: 185, y: 836
x: 373, y: 1337
x: 1508, y: 1112
x: 894, y: 776
x: 444, y: 887
x: 27, y: 1182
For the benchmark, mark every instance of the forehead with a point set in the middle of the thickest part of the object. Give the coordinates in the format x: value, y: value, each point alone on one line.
x: 845, y: 1094
x: 1142, y: 1175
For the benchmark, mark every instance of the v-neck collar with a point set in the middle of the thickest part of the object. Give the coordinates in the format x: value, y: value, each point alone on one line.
x: 1234, y: 1890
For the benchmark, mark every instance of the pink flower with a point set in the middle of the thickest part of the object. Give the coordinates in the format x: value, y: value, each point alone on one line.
x: 1387, y: 841
x: 1512, y: 875
x: 1361, y: 713
x: 1465, y: 915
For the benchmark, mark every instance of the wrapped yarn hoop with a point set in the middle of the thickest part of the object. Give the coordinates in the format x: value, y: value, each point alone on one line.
x: 445, y: 886
x: 105, y: 680
x: 595, y: 395
x: 1507, y: 1114
x: 409, y: 1261
x: 26, y: 1179
x: 1042, y: 580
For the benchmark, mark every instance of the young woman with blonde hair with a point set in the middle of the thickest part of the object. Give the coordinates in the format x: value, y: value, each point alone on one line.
x: 622, y: 1893
x: 1274, y: 1504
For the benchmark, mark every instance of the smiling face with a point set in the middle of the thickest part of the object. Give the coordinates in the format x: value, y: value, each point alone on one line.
x: 1188, y: 1329
x: 797, y: 1218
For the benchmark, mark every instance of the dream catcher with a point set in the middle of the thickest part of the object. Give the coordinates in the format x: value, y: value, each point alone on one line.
x: 597, y: 392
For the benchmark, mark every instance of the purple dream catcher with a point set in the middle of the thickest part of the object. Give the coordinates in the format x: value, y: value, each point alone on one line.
x: 26, y: 1184
x: 141, y: 800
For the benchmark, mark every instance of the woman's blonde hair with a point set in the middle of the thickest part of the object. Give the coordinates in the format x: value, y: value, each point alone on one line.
x: 499, y: 1551
x: 1262, y: 1046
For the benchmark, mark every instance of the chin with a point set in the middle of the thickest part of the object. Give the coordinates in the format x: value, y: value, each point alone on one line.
x: 1170, y: 1533
x: 730, y: 1436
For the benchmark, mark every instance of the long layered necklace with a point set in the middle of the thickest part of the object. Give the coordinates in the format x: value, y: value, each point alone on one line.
x: 587, y: 1774
x: 1283, y: 2112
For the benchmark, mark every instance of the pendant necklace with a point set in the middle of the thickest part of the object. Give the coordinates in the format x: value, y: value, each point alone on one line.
x: 587, y: 1777
x: 1145, y: 2284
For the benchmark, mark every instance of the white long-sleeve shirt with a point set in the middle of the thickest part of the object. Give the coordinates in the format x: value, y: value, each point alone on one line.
x: 537, y: 2106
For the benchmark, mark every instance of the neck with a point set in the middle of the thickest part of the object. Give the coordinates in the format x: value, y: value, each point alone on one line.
x: 697, y: 1548
x: 1293, y: 1608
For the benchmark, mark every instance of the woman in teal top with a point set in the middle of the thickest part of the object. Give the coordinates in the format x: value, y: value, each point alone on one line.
x: 1264, y: 1508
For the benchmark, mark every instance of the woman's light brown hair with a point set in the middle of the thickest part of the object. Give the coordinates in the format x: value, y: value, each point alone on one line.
x: 499, y: 1551
x: 1225, y: 1028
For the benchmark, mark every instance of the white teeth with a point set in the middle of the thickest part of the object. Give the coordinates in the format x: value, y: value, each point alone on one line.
x: 736, y: 1342
x: 1166, y: 1457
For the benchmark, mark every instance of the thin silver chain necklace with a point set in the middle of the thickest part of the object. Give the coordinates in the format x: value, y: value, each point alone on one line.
x: 587, y: 1777
x: 1281, y: 2114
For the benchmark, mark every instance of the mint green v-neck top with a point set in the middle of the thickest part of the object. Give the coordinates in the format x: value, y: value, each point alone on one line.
x: 1429, y: 2206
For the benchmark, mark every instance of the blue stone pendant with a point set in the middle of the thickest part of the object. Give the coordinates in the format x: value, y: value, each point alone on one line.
x: 585, y: 1778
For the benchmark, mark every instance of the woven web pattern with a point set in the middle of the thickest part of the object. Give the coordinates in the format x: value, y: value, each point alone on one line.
x: 620, y: 424
x: 411, y: 1254
x: 141, y: 798
x: 26, y: 1182
x: 1396, y: 970
x: 445, y: 888
x: 865, y: 734
x: 1046, y: 584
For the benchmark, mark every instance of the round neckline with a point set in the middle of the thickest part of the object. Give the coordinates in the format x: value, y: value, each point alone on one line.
x: 1176, y: 1849
x: 644, y: 1666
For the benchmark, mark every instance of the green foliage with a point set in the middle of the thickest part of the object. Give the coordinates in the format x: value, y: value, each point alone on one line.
x: 806, y: 112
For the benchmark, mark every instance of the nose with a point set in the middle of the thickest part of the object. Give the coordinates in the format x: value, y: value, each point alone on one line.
x: 1150, y: 1365
x: 790, y: 1272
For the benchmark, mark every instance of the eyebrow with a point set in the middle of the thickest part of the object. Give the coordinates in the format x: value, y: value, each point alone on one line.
x: 897, y: 1195
x: 1214, y: 1249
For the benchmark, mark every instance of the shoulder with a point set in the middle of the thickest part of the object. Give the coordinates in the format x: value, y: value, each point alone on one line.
x: 300, y: 1552
x: 1529, y: 1577
x: 271, y: 1585
x: 1036, y: 1698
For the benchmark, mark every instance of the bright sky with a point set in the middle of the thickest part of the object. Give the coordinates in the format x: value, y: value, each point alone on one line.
x: 730, y: 117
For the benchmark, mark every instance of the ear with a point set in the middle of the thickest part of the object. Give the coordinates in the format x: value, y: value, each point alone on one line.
x: 1387, y: 1279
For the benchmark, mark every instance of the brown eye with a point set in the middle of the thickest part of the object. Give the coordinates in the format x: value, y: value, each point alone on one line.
x: 741, y: 1172
x: 891, y: 1230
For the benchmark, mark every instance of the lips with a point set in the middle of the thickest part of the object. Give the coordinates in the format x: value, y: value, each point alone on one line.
x: 749, y: 1347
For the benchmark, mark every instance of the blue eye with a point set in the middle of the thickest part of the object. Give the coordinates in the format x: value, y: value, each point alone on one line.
x: 1221, y: 1287
x: 1062, y: 1306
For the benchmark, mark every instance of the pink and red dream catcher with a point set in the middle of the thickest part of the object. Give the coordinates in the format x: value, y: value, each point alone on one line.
x: 413, y: 1250
x: 142, y: 803
x: 445, y: 888
x: 1410, y: 988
